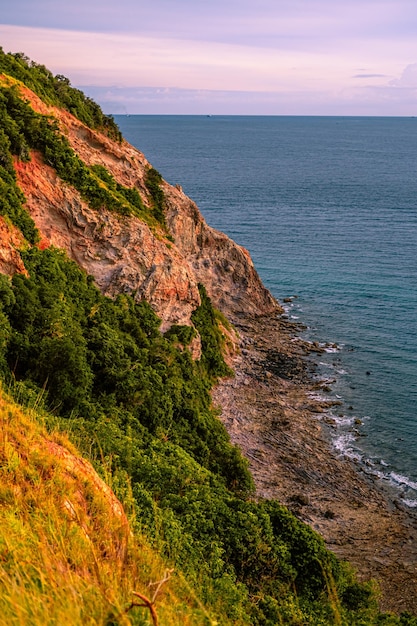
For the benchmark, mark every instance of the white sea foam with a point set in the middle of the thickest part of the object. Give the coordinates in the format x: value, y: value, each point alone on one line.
x: 331, y: 349
x: 317, y: 397
x: 343, y: 420
x: 399, y: 479
x: 325, y: 381
x: 379, y: 474
x: 343, y: 442
x: 411, y: 503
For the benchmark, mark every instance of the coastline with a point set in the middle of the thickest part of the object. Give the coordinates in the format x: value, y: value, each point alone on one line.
x: 273, y: 413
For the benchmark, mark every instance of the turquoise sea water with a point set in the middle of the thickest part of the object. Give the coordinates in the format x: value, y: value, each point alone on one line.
x: 327, y: 207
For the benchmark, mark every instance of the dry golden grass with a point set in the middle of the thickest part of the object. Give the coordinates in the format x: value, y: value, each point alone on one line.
x: 67, y: 555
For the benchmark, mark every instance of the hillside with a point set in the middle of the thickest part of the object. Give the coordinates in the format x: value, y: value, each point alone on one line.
x: 116, y: 303
x: 68, y: 553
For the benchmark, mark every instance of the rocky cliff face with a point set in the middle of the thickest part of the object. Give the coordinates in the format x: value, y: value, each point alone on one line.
x: 10, y: 241
x: 124, y: 254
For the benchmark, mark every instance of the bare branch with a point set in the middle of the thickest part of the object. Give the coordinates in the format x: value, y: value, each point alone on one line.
x: 159, y: 583
x: 148, y: 604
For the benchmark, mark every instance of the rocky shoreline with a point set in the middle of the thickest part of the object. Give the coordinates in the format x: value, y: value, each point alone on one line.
x: 270, y: 411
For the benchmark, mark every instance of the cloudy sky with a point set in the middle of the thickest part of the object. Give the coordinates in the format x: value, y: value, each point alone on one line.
x: 266, y: 57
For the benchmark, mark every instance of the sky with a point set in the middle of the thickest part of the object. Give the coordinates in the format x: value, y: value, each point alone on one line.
x: 234, y: 57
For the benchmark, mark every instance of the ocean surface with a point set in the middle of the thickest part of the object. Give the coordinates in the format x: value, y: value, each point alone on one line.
x: 327, y: 207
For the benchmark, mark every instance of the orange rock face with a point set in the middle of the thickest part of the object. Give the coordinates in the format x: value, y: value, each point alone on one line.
x: 10, y: 242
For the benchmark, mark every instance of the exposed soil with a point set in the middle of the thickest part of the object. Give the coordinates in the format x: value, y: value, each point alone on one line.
x: 270, y: 413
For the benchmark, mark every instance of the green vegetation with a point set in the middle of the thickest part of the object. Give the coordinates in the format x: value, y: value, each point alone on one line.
x: 90, y: 353
x: 11, y: 197
x: 136, y: 404
x: 57, y: 90
x: 153, y: 183
x: 204, y: 319
x: 129, y: 194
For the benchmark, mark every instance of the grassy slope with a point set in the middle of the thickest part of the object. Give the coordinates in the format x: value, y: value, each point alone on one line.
x: 65, y: 556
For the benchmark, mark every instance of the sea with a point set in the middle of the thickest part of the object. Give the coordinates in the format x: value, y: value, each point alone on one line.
x: 327, y: 207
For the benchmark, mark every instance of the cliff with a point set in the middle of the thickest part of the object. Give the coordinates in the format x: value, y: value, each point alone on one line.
x: 127, y: 255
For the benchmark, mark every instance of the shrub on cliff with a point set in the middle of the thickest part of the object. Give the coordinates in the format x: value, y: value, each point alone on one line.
x: 11, y: 197
x: 212, y: 341
x: 153, y: 182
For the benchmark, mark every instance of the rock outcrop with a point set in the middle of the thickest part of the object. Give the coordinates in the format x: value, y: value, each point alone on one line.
x: 126, y: 255
x: 10, y: 241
